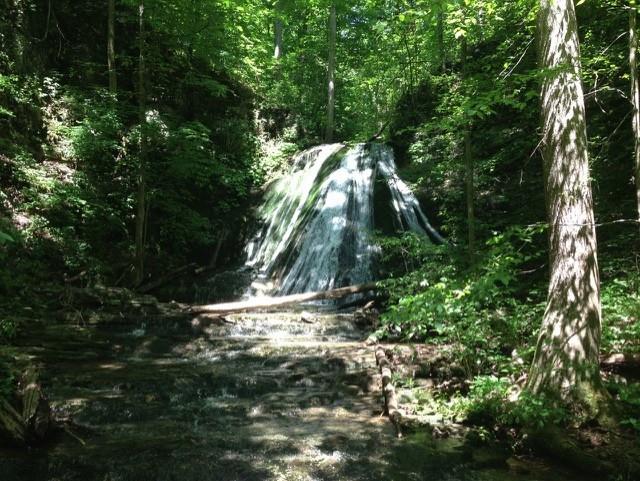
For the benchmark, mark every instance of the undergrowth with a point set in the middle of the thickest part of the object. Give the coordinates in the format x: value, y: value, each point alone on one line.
x: 486, y: 317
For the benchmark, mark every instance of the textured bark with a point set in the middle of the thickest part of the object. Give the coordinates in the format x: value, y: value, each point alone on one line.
x: 111, y: 49
x: 141, y: 210
x: 331, y: 77
x: 635, y: 93
x: 566, y: 361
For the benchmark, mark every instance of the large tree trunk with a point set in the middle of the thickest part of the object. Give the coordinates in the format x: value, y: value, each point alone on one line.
x: 635, y: 93
x: 111, y: 49
x: 141, y: 211
x: 331, y: 77
x: 566, y: 361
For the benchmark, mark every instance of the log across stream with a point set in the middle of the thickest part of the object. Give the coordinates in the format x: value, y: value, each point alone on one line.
x: 260, y: 303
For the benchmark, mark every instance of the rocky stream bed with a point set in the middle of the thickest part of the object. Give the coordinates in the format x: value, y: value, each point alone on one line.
x: 253, y: 397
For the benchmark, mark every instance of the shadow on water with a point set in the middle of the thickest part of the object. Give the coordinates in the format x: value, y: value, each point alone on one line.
x: 294, y: 402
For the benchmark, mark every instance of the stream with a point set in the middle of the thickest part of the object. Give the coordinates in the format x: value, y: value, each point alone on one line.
x: 265, y: 396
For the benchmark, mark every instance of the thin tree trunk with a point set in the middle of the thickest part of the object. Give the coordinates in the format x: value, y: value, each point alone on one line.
x: 111, y: 49
x: 471, y: 194
x: 213, y: 262
x: 440, y: 36
x: 278, y: 30
x: 566, y: 361
x: 331, y: 101
x: 141, y: 194
x: 635, y: 93
x: 469, y: 173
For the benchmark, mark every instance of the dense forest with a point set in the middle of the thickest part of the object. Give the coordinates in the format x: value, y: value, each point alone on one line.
x: 144, y: 144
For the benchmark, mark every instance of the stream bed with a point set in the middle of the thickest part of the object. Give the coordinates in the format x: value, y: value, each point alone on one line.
x: 260, y: 397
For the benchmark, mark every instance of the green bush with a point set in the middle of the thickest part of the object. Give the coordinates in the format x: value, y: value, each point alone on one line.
x: 621, y: 314
x: 477, y: 311
x: 491, y: 402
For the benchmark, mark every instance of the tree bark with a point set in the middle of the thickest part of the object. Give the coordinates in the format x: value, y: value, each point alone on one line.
x: 141, y: 193
x: 469, y: 173
x: 278, y: 31
x: 331, y: 76
x: 566, y: 362
x: 270, y: 302
x: 111, y: 49
x: 440, y: 36
x: 635, y: 94
x: 471, y: 193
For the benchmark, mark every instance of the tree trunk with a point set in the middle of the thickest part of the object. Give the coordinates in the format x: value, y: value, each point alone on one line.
x: 635, y: 94
x: 469, y: 173
x: 471, y: 193
x: 278, y: 29
x: 111, y: 50
x: 141, y: 194
x: 440, y: 36
x: 213, y: 262
x: 566, y: 362
x: 331, y: 101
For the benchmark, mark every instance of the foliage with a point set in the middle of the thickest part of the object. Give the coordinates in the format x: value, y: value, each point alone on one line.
x: 473, y: 310
x: 620, y: 308
x: 492, y: 402
x: 629, y: 395
x: 6, y: 380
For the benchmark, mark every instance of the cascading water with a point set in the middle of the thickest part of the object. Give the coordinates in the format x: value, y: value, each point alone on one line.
x: 317, y: 222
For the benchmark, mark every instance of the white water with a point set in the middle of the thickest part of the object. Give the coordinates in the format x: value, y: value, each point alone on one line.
x: 318, y: 221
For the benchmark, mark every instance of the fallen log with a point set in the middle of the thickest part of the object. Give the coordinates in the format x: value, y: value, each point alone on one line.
x: 624, y: 360
x: 388, y: 390
x: 284, y: 301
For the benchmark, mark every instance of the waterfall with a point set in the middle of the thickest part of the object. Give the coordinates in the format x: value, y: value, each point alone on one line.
x: 317, y: 222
